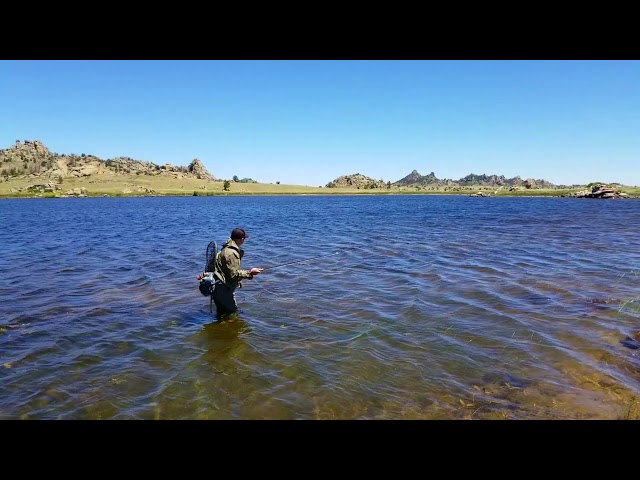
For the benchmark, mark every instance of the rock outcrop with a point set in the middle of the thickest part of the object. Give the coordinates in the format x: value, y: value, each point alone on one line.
x: 356, y: 180
x: 414, y: 179
x: 32, y: 159
x: 197, y: 168
x: 599, y: 191
x: 411, y: 179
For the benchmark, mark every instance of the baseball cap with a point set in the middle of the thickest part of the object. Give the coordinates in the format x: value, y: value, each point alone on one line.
x: 238, y: 233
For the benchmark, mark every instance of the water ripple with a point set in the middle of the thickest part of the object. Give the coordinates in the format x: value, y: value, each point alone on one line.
x: 433, y: 307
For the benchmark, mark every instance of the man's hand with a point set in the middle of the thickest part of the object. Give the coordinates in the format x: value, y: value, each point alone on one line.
x: 255, y: 270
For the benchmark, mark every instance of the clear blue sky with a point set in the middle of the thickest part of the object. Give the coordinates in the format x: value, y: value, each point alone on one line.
x: 308, y: 122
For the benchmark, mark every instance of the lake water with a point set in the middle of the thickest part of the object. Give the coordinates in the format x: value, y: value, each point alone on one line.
x: 434, y: 307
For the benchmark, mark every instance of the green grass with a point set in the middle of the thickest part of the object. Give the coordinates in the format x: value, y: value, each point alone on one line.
x: 538, y: 193
x: 136, y: 185
x: 631, y: 191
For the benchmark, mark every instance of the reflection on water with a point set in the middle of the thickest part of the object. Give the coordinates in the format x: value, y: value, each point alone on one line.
x: 435, y: 307
x: 223, y: 339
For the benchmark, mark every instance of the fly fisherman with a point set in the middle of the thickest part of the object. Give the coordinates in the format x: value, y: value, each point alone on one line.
x: 228, y: 273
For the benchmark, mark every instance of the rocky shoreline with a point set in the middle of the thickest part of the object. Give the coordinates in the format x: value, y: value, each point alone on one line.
x: 30, y: 169
x: 599, y: 191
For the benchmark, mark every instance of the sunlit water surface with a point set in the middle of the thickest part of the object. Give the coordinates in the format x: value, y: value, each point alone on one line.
x: 433, y: 307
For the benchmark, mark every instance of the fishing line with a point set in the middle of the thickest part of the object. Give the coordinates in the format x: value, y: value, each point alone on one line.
x: 299, y: 261
x: 280, y: 297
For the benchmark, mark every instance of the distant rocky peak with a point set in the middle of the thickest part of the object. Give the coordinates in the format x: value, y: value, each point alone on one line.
x: 197, y: 168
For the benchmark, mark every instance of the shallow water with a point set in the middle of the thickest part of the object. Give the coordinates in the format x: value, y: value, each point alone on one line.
x: 434, y: 307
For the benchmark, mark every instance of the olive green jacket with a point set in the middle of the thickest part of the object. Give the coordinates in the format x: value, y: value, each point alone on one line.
x: 228, y: 269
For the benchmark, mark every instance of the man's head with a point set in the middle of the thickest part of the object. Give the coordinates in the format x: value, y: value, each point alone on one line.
x: 238, y: 234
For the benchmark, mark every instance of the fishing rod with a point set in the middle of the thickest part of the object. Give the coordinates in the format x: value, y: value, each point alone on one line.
x: 300, y: 261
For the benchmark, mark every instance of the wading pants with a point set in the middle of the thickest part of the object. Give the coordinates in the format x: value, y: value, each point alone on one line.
x: 224, y: 298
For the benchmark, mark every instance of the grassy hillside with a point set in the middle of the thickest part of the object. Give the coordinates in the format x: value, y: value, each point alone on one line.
x: 145, y: 185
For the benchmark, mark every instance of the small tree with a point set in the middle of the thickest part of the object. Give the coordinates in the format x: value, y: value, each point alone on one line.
x: 389, y: 184
x: 226, y: 185
x: 278, y: 183
x: 235, y: 178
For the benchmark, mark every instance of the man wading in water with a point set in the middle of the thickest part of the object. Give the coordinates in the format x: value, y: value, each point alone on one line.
x: 228, y: 273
